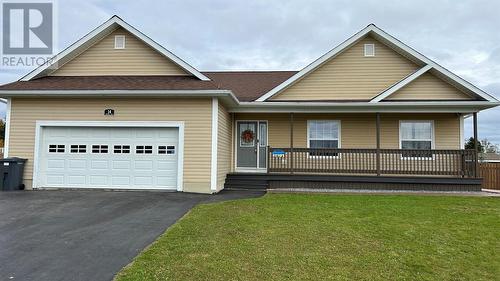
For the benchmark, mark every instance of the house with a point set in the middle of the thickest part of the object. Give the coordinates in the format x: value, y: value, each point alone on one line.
x: 489, y: 157
x: 117, y: 110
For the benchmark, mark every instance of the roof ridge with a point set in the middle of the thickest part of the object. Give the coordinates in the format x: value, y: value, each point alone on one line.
x: 247, y: 71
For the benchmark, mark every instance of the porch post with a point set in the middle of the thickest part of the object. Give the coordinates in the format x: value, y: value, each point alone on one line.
x: 378, y: 143
x: 476, y: 140
x: 291, y: 144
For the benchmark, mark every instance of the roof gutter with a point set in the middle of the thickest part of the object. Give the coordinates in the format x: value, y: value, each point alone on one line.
x: 325, y: 107
x: 122, y: 93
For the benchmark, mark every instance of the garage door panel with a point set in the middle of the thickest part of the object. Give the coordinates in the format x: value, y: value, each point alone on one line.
x: 99, y: 164
x: 55, y: 179
x: 107, y: 157
x: 142, y: 181
x: 120, y: 181
x: 77, y: 180
x: 78, y: 164
x: 97, y: 180
x: 143, y: 165
x: 121, y: 165
x: 55, y: 164
x: 163, y: 181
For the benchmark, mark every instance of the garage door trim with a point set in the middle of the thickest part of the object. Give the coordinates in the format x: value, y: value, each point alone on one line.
x: 40, y: 124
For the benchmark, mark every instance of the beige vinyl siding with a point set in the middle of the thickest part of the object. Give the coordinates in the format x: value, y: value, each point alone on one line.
x: 351, y: 75
x: 223, y: 146
x: 358, y: 130
x: 195, y: 112
x: 429, y: 87
x: 103, y: 59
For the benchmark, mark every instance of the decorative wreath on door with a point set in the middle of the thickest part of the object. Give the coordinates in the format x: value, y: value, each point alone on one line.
x: 247, y: 136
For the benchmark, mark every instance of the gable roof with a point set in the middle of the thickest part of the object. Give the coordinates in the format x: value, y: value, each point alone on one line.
x: 99, y: 33
x: 392, y: 42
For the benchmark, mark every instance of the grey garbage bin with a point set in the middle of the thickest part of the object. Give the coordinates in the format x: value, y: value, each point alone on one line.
x: 11, y: 173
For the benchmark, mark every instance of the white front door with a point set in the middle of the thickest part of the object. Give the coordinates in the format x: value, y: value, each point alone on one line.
x: 108, y: 157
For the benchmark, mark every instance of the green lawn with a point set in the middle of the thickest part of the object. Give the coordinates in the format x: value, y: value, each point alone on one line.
x: 329, y: 237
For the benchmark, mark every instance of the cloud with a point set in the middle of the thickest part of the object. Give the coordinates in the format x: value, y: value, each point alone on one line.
x: 288, y: 34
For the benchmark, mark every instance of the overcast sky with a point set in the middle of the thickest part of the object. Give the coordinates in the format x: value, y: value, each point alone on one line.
x: 462, y: 36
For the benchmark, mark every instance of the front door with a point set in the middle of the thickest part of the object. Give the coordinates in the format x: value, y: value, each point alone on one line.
x: 251, y: 144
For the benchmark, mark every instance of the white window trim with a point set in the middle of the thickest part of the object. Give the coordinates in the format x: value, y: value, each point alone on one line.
x: 253, y: 141
x: 339, y: 138
x: 259, y: 134
x: 236, y: 143
x: 117, y: 37
x: 433, y: 140
x: 121, y: 149
x: 57, y: 148
x: 365, y: 50
x: 40, y: 124
x: 78, y: 149
x: 166, y: 149
x: 144, y: 149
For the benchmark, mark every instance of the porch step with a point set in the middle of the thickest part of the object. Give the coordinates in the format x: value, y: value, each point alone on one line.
x: 246, y: 182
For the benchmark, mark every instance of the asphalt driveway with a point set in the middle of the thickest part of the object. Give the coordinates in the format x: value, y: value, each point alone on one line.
x: 85, y: 235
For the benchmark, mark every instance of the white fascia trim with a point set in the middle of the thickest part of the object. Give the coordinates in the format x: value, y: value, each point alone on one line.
x: 363, y: 104
x: 40, y: 124
x: 138, y: 93
x: 392, y: 89
x: 392, y: 40
x: 353, y: 39
x: 215, y: 129
x: 7, y: 129
x: 116, y: 20
x: 357, y: 107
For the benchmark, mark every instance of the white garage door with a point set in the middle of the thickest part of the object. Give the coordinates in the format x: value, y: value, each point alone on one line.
x: 108, y: 157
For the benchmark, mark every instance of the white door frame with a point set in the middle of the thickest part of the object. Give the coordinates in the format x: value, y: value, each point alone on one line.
x: 40, y: 124
x: 236, y: 141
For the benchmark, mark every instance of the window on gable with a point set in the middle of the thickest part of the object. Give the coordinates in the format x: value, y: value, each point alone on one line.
x: 416, y: 135
x: 369, y: 50
x: 120, y: 42
x: 323, y: 134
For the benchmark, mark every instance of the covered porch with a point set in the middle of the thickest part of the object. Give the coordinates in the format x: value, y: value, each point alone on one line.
x: 369, y: 149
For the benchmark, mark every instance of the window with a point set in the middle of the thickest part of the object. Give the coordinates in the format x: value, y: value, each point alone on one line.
x: 99, y: 148
x: 369, y: 50
x: 416, y: 135
x: 121, y: 149
x: 247, y: 134
x: 263, y: 134
x: 56, y: 148
x: 78, y: 148
x: 166, y: 149
x: 143, y: 149
x: 120, y: 42
x: 323, y: 135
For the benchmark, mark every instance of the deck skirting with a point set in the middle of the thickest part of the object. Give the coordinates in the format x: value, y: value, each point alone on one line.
x: 407, y: 183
